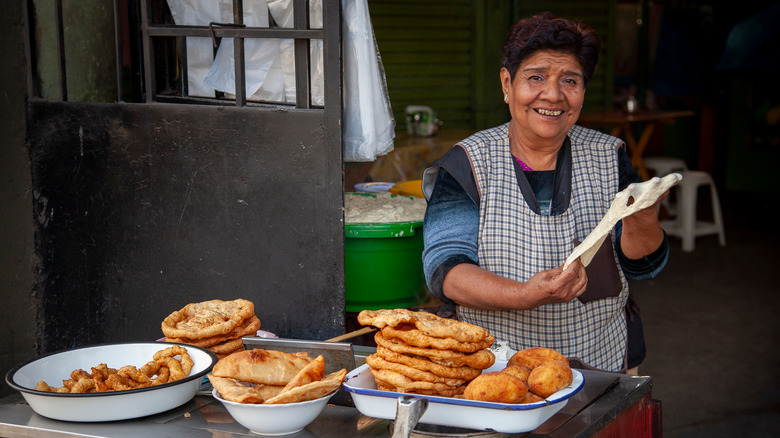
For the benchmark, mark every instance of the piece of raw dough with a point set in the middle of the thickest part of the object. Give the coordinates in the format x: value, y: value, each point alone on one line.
x: 645, y: 194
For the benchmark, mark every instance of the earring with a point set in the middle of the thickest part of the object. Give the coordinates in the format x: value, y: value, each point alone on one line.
x: 506, y: 97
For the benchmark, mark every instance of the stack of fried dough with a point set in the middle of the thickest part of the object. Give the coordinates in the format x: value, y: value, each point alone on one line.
x: 273, y: 377
x: 164, y: 368
x: 422, y: 353
x: 530, y: 376
x: 215, y: 325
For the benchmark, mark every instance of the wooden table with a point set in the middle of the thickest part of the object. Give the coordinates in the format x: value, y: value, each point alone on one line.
x: 622, y: 124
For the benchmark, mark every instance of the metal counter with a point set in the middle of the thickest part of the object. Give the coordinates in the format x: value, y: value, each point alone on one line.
x: 602, y: 400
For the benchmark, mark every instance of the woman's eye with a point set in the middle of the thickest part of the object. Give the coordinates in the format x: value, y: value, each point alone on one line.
x: 570, y: 81
x: 536, y: 78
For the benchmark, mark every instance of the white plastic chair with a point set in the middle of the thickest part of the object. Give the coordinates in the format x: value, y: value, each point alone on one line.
x: 685, y: 225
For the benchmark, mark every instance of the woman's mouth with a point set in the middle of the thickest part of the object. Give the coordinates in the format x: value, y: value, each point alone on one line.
x: 545, y: 112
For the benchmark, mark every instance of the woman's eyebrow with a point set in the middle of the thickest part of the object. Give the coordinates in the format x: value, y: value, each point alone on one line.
x: 546, y: 69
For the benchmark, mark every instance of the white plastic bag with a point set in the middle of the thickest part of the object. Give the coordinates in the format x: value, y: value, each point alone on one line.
x: 369, y: 126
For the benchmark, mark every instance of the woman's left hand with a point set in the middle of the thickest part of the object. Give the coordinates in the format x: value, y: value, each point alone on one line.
x: 642, y: 233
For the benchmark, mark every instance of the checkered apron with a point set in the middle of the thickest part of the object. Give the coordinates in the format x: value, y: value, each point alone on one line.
x: 516, y: 243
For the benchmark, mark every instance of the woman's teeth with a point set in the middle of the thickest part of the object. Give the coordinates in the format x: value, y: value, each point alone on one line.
x: 545, y: 112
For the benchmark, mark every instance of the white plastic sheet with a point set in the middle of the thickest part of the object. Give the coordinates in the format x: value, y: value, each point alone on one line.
x: 199, y: 50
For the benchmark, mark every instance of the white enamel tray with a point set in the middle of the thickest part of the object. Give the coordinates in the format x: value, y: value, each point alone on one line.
x: 456, y: 412
x: 106, y: 406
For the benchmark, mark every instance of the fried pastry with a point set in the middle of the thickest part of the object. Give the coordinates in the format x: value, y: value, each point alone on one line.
x: 386, y: 317
x: 392, y: 381
x: 496, y: 387
x: 207, y: 319
x: 268, y: 367
x: 480, y: 359
x: 438, y: 327
x: 377, y: 362
x: 549, y: 378
x: 409, y: 334
x: 464, y: 372
x: 535, y: 356
x: 311, y: 391
x: 520, y: 371
x: 232, y: 390
x: 312, y: 372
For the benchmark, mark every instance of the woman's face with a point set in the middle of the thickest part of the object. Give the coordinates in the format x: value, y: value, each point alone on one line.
x: 546, y: 95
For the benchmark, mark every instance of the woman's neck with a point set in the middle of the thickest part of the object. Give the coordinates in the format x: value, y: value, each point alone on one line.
x: 538, y: 155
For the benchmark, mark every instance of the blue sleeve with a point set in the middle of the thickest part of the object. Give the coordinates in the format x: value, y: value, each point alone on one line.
x: 647, y: 267
x: 450, y: 232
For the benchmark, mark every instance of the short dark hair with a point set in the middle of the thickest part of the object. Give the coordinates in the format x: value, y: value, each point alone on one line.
x: 547, y: 32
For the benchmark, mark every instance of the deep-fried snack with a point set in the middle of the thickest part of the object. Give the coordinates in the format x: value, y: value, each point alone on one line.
x: 268, y: 391
x: 227, y: 347
x: 115, y: 382
x: 496, y: 387
x: 232, y: 390
x: 535, y: 356
x: 530, y: 397
x: 311, y: 391
x: 549, y: 378
x: 386, y: 317
x: 481, y: 359
x: 131, y: 372
x: 438, y: 327
x: 312, y: 372
x: 247, y: 328
x: 79, y: 374
x: 401, y: 383
x: 519, y: 371
x: 464, y: 372
x: 163, y: 376
x: 412, y: 336
x: 377, y: 362
x: 268, y: 367
x: 207, y: 319
x: 105, y: 379
x: 83, y: 385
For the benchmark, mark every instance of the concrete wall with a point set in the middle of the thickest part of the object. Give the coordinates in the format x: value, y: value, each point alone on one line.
x: 17, y: 303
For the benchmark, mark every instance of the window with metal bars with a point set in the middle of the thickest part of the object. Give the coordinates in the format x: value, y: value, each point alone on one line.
x: 225, y: 52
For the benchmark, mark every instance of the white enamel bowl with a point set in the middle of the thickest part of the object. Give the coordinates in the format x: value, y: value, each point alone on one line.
x: 281, y: 419
x: 107, y: 406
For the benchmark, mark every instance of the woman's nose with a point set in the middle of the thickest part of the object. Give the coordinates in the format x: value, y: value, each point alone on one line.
x: 552, y: 90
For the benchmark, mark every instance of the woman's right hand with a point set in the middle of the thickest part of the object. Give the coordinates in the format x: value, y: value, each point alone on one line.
x: 556, y: 285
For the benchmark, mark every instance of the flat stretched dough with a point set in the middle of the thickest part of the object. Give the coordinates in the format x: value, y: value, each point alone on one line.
x: 645, y: 194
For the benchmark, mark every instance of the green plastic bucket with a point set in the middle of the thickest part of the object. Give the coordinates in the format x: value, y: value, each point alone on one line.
x: 383, y: 266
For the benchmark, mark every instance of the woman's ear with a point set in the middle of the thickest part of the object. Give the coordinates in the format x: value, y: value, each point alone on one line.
x: 506, y: 82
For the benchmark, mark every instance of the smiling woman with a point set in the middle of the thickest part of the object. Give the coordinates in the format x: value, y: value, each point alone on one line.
x: 507, y: 206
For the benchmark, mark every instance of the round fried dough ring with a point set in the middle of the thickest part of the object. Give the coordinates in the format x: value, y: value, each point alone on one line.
x: 207, y: 319
x: 481, y: 359
x: 464, y: 372
x: 171, y: 352
x: 412, y: 336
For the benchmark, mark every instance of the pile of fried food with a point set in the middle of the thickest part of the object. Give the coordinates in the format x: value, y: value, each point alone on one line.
x: 273, y: 377
x: 215, y: 325
x: 530, y: 376
x: 164, y: 368
x: 422, y: 353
